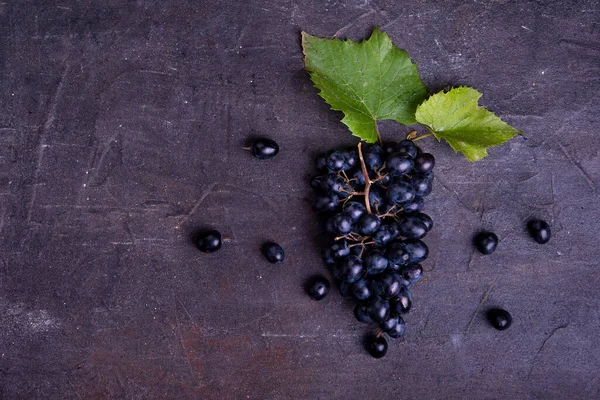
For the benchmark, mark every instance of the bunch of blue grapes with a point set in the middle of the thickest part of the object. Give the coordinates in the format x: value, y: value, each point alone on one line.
x: 370, y: 200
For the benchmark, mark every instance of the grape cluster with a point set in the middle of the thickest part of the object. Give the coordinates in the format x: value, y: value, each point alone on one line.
x: 370, y: 199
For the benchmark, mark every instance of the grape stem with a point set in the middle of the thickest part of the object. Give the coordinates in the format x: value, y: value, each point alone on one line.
x: 366, y: 175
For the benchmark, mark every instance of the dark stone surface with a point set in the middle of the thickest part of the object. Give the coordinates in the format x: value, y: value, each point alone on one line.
x: 121, y: 126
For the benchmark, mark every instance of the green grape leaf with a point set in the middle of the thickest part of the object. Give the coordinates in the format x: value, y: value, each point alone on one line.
x: 368, y: 81
x: 456, y: 117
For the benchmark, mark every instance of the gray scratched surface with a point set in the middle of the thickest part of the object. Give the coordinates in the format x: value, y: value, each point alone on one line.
x: 121, y: 124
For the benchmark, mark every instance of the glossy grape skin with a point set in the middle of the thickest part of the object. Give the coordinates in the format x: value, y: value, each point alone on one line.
x: 351, y: 268
x: 387, y: 284
x: 361, y: 313
x: 323, y: 204
x: 398, y: 330
x: 416, y: 205
x: 424, y: 162
x: 417, y: 250
x: 273, y: 253
x: 412, y: 273
x: 376, y: 346
x: 402, y: 303
x: 372, y: 160
x: 397, y: 254
x: 318, y: 288
x: 375, y: 262
x: 355, y: 210
x: 486, y: 242
x: 400, y: 192
x: 368, y: 224
x: 209, y: 241
x: 361, y: 289
x: 379, y: 308
x: 539, y: 231
x: 335, y: 161
x: 340, y: 249
x: 376, y: 198
x: 407, y: 147
x: 412, y: 227
x: 389, y: 148
x: 350, y: 158
x: 399, y: 164
x: 422, y: 184
x: 357, y: 176
x: 264, y: 148
x: 394, y: 229
x: 499, y: 318
x: 426, y: 219
x: 383, y: 235
x: 341, y: 224
x: 390, y: 323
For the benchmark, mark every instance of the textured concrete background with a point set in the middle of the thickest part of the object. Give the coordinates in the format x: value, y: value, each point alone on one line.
x: 121, y: 126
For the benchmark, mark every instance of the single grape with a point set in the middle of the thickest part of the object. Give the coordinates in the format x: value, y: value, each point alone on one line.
x: 400, y: 192
x: 398, y: 330
x: 417, y: 250
x: 372, y: 160
x: 411, y: 227
x: 318, y: 288
x: 486, y: 242
x: 376, y: 198
x: 402, y: 303
x: 376, y: 346
x: 413, y: 206
x: 375, y: 262
x: 368, y: 224
x: 394, y: 229
x: 361, y: 312
x: 424, y: 162
x: 361, y: 289
x: 209, y: 241
x: 264, y: 148
x: 383, y: 235
x: 273, y: 252
x: 340, y: 249
x: 389, y: 148
x: 407, y: 147
x: 341, y: 224
x: 379, y: 308
x: 355, y: 210
x: 375, y: 148
x: 350, y: 158
x: 351, y: 268
x: 390, y: 323
x: 422, y: 184
x: 335, y: 161
x: 412, y: 273
x: 397, y: 254
x: 426, y: 219
x: 539, y: 230
x: 328, y: 257
x: 326, y: 203
x: 499, y: 318
x: 399, y: 164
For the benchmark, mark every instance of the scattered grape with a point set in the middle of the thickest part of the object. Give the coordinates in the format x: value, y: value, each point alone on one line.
x: 273, y: 252
x: 486, y: 242
x: 499, y: 318
x: 376, y: 346
x: 318, y: 288
x: 539, y: 231
x: 209, y: 241
x: 264, y: 148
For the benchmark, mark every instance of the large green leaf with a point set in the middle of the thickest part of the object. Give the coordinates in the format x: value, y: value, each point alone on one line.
x: 367, y: 81
x: 456, y: 117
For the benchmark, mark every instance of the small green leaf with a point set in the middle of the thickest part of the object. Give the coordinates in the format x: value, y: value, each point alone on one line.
x: 367, y: 81
x: 456, y: 117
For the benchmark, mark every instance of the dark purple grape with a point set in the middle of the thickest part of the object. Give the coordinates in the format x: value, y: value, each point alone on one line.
x: 341, y: 224
x: 368, y: 224
x: 318, y: 288
x: 379, y: 308
x: 264, y: 148
x: 399, y: 164
x: 376, y: 346
x: 273, y: 252
x: 351, y: 268
x: 412, y: 273
x: 383, y: 235
x: 335, y: 161
x: 539, y: 231
x: 407, y: 147
x: 499, y: 318
x: 424, y: 162
x: 486, y: 242
x: 375, y: 262
x: 325, y: 203
x: 412, y: 227
x: 422, y: 185
x: 400, y: 192
x: 361, y: 289
x: 402, y: 303
x: 413, y: 206
x: 417, y: 250
x: 398, y: 330
x: 397, y: 254
x: 361, y: 312
x: 390, y: 323
x: 355, y: 210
